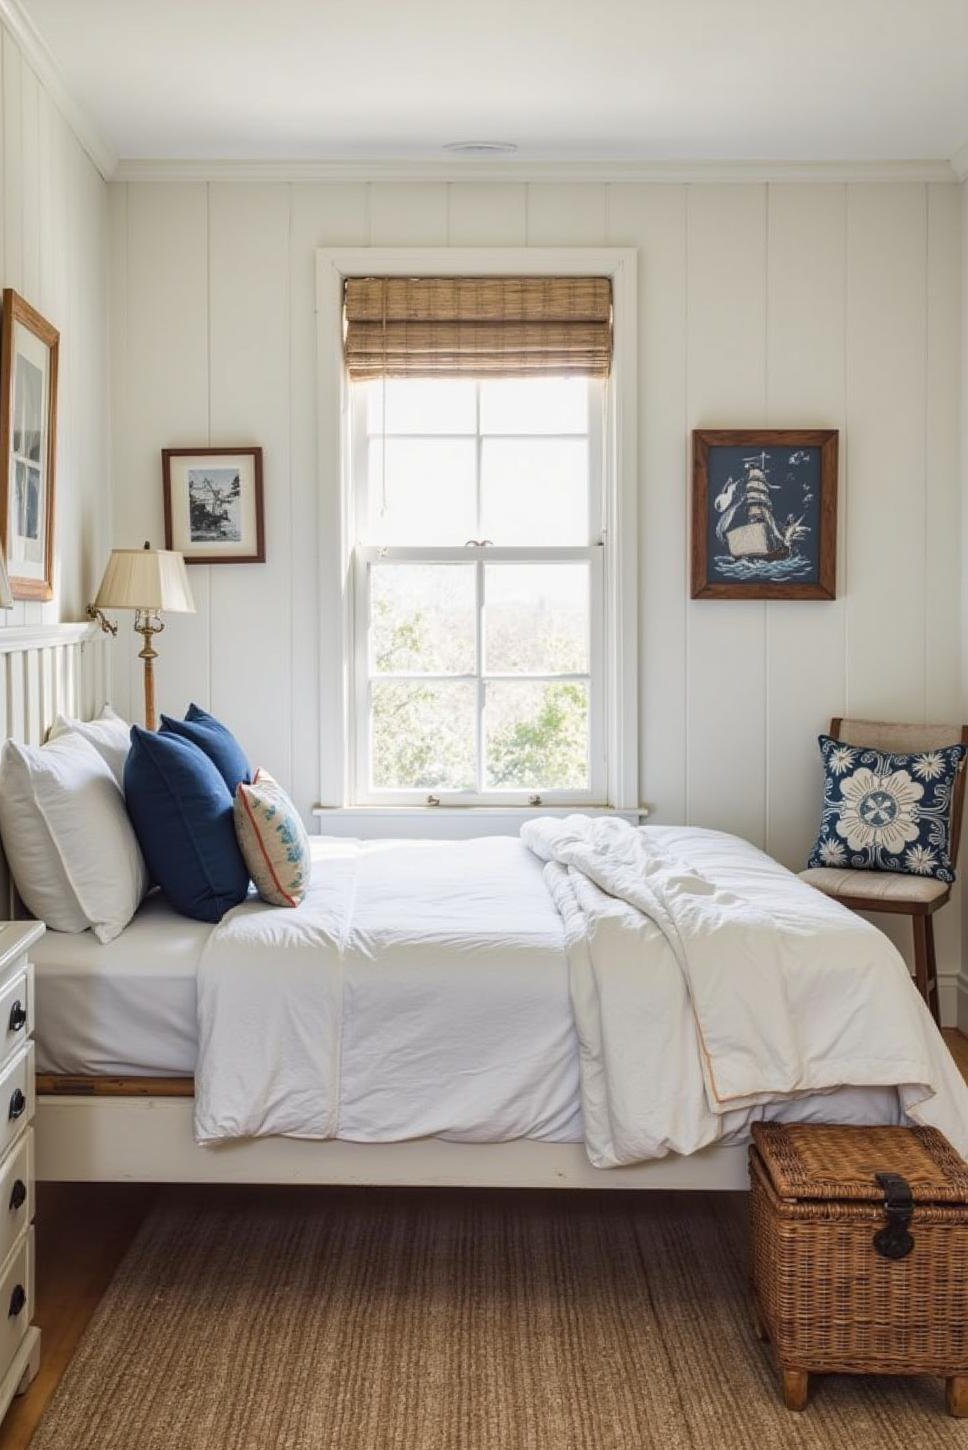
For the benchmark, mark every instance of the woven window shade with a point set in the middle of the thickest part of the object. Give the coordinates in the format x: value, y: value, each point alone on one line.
x: 512, y: 327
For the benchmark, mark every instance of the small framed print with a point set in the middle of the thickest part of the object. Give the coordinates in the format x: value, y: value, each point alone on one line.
x: 764, y: 513
x: 28, y: 446
x: 213, y: 504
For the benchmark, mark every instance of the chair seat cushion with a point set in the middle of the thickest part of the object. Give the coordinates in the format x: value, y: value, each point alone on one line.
x: 875, y: 885
x: 887, y: 813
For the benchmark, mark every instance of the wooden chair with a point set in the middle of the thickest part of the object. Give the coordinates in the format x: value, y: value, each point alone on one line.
x: 915, y: 896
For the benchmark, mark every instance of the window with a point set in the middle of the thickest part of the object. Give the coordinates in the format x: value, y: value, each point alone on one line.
x: 479, y: 592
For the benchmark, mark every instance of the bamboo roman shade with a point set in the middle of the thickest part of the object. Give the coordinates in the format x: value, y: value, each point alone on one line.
x: 419, y: 327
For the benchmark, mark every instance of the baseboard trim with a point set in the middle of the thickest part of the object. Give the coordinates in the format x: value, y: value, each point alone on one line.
x: 961, y: 1003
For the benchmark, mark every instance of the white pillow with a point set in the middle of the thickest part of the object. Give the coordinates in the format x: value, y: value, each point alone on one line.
x: 109, y: 734
x: 69, y: 844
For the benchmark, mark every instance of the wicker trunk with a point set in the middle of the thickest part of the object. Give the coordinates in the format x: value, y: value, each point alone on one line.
x: 860, y: 1253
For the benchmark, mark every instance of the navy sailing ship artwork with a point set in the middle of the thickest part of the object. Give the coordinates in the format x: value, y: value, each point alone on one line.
x: 764, y: 520
x: 765, y: 512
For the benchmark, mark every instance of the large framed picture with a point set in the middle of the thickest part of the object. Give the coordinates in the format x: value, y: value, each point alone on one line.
x: 213, y: 504
x: 764, y: 513
x: 28, y: 446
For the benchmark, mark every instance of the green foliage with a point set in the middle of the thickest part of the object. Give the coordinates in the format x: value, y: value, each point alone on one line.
x: 546, y: 748
x: 423, y: 732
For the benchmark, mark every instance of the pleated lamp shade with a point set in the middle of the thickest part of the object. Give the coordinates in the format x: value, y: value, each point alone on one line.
x: 146, y: 579
x: 6, y: 595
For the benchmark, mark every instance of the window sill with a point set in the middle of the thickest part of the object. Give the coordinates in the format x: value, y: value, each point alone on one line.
x: 436, y: 822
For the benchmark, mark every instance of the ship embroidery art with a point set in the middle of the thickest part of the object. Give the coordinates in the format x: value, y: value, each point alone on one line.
x: 764, y: 519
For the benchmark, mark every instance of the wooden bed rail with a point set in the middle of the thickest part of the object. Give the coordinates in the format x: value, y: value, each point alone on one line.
x: 55, y: 1084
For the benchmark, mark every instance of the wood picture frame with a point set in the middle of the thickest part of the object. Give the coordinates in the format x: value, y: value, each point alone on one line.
x: 29, y: 358
x: 744, y: 480
x: 214, y: 508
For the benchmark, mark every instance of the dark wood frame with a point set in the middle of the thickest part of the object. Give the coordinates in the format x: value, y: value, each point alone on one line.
x: 826, y: 439
x: 167, y: 454
x: 920, y: 912
x: 16, y: 309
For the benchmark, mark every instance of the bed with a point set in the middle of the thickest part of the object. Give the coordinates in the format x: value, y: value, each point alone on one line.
x: 458, y: 1055
x: 497, y: 1010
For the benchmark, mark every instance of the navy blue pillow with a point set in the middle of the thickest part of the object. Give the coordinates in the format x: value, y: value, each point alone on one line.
x: 885, y: 812
x: 181, y: 810
x: 217, y: 741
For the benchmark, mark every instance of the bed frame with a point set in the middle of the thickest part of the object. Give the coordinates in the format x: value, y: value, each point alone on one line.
x: 123, y: 1129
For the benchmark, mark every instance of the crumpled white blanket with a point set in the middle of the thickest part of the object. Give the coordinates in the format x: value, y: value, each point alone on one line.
x: 704, y: 998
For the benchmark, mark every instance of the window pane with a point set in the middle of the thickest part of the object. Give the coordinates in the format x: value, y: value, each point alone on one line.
x: 423, y: 736
x: 536, y: 736
x: 422, y: 619
x: 534, y: 405
x: 536, y: 619
x: 421, y: 405
x: 428, y: 494
x: 534, y: 490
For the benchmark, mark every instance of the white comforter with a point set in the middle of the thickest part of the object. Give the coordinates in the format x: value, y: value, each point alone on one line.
x: 711, y: 986
x: 420, y: 990
x: 423, y: 989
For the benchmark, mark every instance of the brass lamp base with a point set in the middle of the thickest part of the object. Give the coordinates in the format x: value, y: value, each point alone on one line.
x: 147, y: 623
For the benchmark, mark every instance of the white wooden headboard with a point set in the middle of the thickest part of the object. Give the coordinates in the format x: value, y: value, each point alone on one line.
x: 45, y: 670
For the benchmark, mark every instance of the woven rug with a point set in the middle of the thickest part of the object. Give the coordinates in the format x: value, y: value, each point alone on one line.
x: 370, y: 1320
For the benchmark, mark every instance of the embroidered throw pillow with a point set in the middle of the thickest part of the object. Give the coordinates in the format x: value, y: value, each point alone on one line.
x: 885, y: 812
x: 273, y: 840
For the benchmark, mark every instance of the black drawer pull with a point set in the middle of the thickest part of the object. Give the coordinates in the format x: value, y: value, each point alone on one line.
x: 17, y: 1104
x: 17, y: 1301
x: 18, y: 1016
x: 18, y: 1195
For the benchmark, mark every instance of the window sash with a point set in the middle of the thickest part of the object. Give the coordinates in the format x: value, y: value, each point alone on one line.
x: 364, y: 555
x: 364, y: 558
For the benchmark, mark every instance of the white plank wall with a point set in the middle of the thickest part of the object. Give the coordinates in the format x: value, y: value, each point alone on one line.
x: 54, y: 251
x: 789, y: 304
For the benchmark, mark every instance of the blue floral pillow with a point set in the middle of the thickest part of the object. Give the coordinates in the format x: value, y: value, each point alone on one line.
x: 884, y: 812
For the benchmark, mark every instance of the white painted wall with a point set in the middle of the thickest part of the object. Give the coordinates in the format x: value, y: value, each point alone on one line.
x: 780, y: 305
x: 54, y: 251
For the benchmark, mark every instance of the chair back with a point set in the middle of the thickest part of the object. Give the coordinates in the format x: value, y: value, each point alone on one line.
x: 910, y: 740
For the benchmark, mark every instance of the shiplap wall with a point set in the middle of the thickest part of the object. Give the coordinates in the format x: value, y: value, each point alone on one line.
x: 780, y: 305
x: 54, y: 251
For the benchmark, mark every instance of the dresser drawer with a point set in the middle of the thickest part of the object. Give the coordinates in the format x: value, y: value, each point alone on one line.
x: 16, y: 1192
x: 16, y: 1299
x: 16, y: 1095
x: 16, y: 1014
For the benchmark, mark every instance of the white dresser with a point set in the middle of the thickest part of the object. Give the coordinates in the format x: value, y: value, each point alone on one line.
x: 19, y: 1339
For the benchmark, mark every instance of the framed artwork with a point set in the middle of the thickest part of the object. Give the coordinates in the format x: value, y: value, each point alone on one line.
x: 28, y: 446
x: 764, y: 513
x: 213, y: 504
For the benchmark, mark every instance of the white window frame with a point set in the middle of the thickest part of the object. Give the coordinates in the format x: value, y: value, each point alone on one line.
x: 615, y: 786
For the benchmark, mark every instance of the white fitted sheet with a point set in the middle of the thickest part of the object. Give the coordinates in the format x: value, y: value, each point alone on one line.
x: 125, y: 1009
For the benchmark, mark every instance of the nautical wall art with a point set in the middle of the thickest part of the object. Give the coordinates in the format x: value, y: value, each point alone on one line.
x: 213, y: 504
x: 764, y: 513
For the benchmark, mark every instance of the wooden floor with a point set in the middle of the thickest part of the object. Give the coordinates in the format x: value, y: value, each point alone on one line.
x: 83, y: 1231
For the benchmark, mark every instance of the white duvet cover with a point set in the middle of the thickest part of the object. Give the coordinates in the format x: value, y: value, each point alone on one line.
x: 421, y: 989
x: 433, y: 988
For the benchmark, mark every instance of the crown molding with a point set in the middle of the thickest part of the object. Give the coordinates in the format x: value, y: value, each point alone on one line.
x: 38, y: 56
x: 536, y: 171
x: 959, y: 162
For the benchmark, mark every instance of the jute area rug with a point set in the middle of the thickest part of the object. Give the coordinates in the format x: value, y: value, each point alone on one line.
x: 410, y: 1320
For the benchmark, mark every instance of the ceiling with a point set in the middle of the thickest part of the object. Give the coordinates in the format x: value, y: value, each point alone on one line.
x: 566, y: 80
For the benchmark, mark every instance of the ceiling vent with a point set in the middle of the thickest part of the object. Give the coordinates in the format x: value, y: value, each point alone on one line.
x: 481, y: 148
